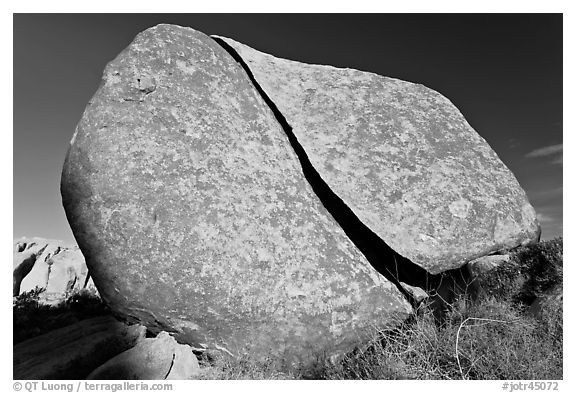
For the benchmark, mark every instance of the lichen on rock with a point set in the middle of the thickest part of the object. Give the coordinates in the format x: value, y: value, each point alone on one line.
x: 402, y: 157
x: 194, y: 216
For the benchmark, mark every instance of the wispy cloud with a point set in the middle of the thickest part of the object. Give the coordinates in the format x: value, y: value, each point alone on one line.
x: 558, y: 160
x: 546, y: 151
x: 545, y: 218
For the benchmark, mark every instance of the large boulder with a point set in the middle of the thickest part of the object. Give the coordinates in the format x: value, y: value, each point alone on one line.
x: 194, y: 216
x: 402, y: 157
x: 72, y: 352
x: 52, y: 265
x: 152, y: 358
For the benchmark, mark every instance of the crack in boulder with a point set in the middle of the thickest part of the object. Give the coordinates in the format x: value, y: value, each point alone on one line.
x: 171, y: 365
x: 395, y: 267
x: 402, y: 157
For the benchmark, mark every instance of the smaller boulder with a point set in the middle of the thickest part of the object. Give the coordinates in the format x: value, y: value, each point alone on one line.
x: 479, y: 266
x: 418, y: 294
x: 151, y: 359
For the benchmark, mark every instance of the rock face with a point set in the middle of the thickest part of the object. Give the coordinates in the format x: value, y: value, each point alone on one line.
x: 57, y: 267
x: 402, y: 157
x: 486, y: 263
x: 23, y: 263
x: 152, y: 358
x: 72, y: 352
x: 194, y: 216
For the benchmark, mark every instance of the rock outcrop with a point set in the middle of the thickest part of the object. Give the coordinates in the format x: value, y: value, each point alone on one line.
x: 151, y: 359
x: 24, y: 260
x: 401, y: 157
x: 52, y: 265
x: 194, y: 215
x: 72, y: 352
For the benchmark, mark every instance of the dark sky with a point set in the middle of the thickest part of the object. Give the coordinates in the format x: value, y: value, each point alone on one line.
x: 504, y: 73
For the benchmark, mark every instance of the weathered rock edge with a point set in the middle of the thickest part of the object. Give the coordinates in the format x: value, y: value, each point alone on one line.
x: 451, y: 200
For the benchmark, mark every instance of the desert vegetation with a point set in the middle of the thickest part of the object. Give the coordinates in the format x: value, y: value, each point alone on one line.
x: 32, y: 318
x: 512, y: 330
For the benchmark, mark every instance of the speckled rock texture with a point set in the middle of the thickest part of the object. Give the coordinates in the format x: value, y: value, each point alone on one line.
x: 484, y: 264
x: 194, y: 216
x: 403, y: 158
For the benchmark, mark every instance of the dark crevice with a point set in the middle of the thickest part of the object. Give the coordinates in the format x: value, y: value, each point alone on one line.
x: 171, y: 365
x: 71, y: 284
x: 86, y: 280
x: 382, y: 257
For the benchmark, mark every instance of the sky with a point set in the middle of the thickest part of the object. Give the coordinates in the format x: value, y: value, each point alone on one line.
x: 503, y: 71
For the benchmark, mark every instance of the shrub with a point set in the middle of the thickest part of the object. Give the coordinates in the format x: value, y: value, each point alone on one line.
x: 493, y: 337
x: 31, y: 318
x: 532, y: 270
